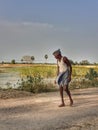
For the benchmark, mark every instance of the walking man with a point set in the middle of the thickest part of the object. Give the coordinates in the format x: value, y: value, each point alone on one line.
x: 64, y: 71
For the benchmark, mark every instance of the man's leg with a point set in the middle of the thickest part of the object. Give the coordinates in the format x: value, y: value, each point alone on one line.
x: 62, y: 99
x: 69, y: 94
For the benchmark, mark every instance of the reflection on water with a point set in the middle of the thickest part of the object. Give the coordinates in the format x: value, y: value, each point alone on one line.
x: 9, y: 80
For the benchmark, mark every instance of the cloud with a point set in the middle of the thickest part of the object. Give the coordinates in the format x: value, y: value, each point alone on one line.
x: 43, y: 25
x: 22, y: 32
x: 28, y: 38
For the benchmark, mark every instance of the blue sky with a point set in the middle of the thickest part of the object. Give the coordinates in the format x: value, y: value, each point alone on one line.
x: 39, y: 27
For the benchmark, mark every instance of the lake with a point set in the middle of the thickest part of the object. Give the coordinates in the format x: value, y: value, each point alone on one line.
x: 9, y: 79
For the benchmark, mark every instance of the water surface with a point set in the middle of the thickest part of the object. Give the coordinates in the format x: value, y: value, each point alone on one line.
x: 9, y: 79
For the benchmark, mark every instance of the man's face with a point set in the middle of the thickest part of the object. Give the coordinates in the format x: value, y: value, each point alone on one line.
x: 58, y: 56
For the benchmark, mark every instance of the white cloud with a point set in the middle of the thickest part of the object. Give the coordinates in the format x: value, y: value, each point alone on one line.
x: 43, y: 25
x: 28, y: 38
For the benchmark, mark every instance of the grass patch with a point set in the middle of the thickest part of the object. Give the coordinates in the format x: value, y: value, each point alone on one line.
x: 35, y: 84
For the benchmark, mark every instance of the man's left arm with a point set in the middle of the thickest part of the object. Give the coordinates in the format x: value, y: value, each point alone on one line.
x: 66, y: 60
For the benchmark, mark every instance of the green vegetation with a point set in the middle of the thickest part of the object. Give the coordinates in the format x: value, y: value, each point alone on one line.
x: 32, y: 77
x: 87, y: 78
x: 92, y: 74
x: 13, y: 61
x: 80, y: 71
x: 34, y: 84
x: 45, y: 71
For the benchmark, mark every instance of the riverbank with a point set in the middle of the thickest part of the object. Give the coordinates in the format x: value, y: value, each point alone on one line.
x: 41, y: 112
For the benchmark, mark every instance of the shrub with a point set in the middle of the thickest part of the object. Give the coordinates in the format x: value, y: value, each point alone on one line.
x: 83, y: 83
x: 92, y: 74
x: 34, y: 84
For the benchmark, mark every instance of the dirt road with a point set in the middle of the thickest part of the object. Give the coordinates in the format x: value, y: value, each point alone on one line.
x: 41, y: 112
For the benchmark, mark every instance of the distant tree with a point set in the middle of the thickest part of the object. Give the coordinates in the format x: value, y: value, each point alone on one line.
x: 91, y: 74
x: 76, y: 63
x: 46, y: 57
x: 13, y: 61
x: 2, y: 62
x: 32, y: 58
x: 71, y: 61
x: 95, y: 63
x: 84, y: 62
x: 27, y: 59
x: 21, y: 60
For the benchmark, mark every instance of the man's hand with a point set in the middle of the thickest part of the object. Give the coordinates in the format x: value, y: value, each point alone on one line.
x: 69, y: 78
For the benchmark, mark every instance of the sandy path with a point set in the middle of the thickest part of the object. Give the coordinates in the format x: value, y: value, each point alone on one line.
x: 42, y: 112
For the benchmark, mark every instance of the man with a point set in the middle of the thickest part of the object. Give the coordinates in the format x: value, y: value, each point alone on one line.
x: 64, y: 71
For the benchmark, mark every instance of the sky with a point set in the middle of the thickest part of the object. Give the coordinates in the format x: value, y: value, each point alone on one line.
x: 39, y: 27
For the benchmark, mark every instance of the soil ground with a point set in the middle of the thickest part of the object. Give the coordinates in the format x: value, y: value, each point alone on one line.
x: 41, y: 111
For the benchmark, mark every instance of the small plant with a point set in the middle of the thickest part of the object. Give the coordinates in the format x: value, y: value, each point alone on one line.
x: 9, y: 85
x: 33, y: 84
x: 92, y: 74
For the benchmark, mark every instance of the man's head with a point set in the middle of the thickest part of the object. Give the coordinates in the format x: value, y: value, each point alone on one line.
x: 57, y: 54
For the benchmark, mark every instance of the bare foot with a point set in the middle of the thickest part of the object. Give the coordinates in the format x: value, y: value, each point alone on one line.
x: 71, y: 102
x: 61, y: 105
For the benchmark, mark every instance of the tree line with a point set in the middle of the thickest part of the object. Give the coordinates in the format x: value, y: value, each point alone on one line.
x: 26, y: 59
x: 31, y: 59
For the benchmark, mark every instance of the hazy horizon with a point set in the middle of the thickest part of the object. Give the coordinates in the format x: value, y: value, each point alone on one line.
x: 39, y: 27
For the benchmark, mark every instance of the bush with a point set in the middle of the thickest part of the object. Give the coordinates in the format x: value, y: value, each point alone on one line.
x: 34, y: 84
x: 83, y: 83
x: 92, y: 74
